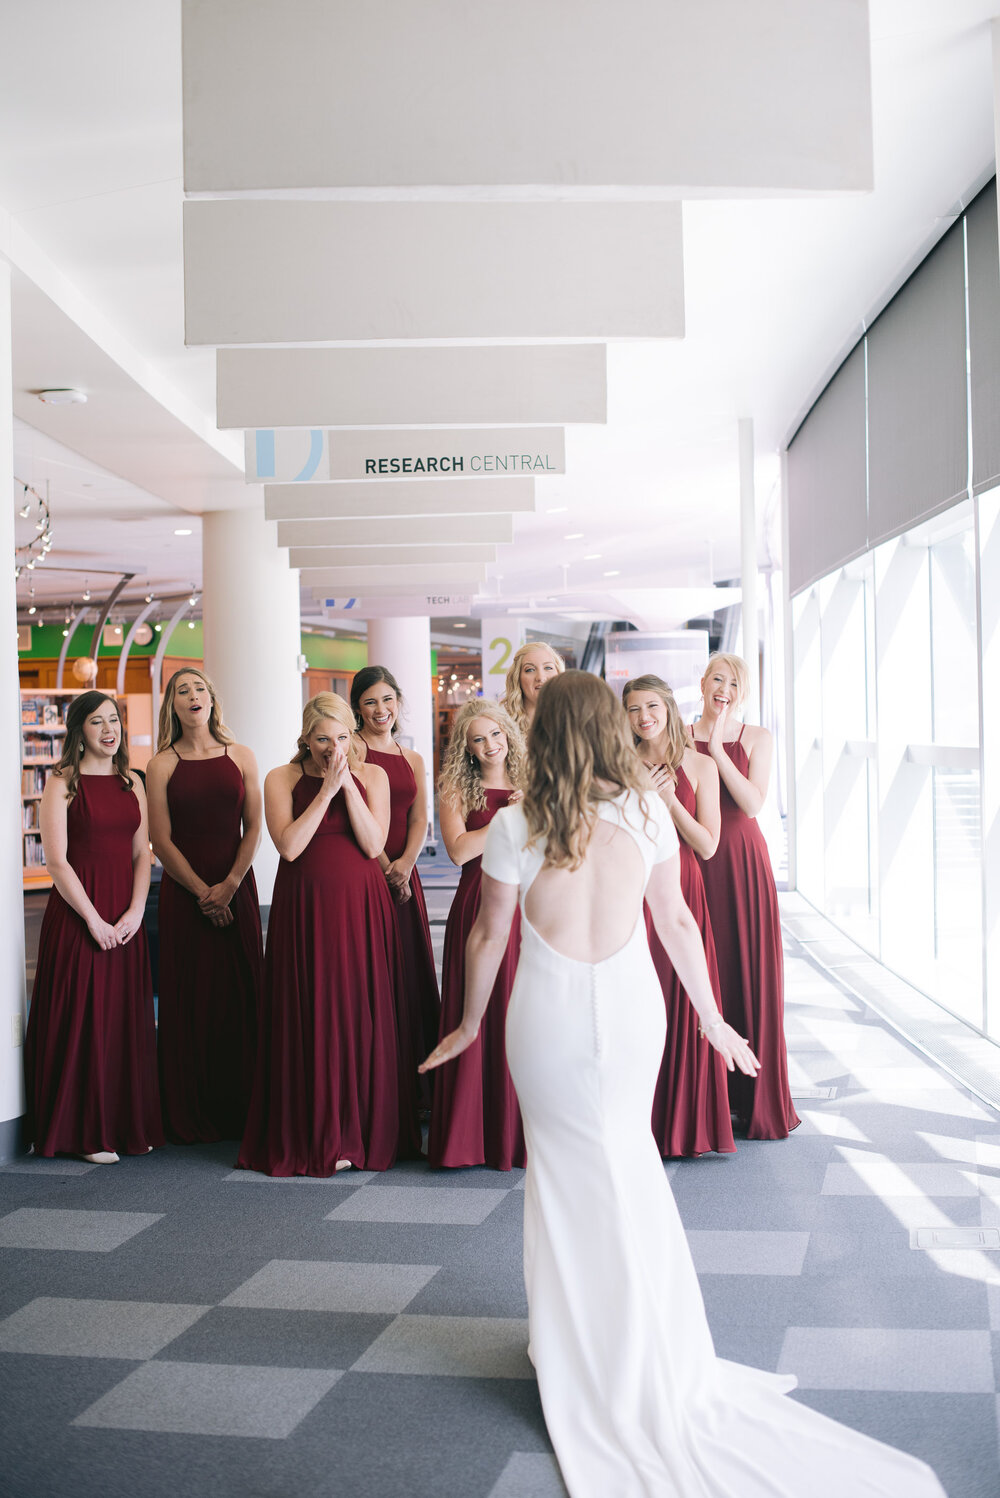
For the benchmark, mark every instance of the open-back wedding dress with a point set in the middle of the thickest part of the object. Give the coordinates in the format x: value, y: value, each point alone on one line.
x: 636, y: 1402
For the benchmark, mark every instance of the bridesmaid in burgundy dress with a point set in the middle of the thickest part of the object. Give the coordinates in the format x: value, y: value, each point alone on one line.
x: 691, y: 1103
x: 329, y: 1091
x: 743, y: 901
x: 90, y: 1050
x: 475, y: 1119
x: 377, y: 701
x: 533, y: 665
x: 205, y: 816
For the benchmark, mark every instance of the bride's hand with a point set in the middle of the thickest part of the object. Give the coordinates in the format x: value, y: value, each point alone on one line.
x: 733, y: 1049
x: 447, y: 1049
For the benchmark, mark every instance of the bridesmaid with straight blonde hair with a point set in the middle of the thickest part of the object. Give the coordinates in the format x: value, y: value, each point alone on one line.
x: 743, y: 900
x: 533, y: 665
x: 205, y: 819
x: 329, y: 1091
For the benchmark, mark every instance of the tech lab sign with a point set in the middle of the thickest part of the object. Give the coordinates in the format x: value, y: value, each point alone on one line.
x: 290, y: 455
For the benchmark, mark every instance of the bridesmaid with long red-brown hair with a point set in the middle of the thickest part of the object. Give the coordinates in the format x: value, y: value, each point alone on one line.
x: 205, y: 819
x: 90, y: 1050
x: 743, y: 899
x: 691, y: 1102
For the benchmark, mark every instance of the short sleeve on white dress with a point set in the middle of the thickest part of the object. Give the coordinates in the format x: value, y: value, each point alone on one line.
x: 503, y: 856
x: 665, y: 840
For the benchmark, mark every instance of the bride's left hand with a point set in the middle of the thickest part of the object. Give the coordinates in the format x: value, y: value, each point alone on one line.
x: 447, y: 1049
x: 733, y: 1049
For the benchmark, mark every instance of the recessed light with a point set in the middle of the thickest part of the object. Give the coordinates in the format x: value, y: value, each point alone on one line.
x: 458, y: 624
x: 615, y: 573
x: 574, y: 536
x: 184, y: 531
x: 592, y: 556
x: 62, y: 397
x: 557, y: 510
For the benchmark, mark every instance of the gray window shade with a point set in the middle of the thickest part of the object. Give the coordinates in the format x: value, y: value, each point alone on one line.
x: 917, y: 408
x: 984, y: 337
x: 827, y: 490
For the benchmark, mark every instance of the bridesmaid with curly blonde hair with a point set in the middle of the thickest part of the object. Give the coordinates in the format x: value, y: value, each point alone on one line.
x: 475, y: 1119
x: 533, y: 665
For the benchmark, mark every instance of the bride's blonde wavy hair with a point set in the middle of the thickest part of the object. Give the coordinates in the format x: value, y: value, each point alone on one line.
x: 461, y: 778
x: 326, y: 705
x: 579, y: 738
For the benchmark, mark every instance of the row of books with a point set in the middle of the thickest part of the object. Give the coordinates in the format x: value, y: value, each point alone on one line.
x: 33, y: 779
x: 34, y: 858
x: 29, y: 815
x: 39, y: 746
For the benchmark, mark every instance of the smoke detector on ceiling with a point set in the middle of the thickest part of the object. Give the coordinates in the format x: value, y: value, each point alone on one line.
x: 62, y: 397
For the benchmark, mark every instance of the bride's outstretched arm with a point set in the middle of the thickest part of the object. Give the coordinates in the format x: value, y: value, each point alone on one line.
x: 678, y: 931
x: 483, y: 955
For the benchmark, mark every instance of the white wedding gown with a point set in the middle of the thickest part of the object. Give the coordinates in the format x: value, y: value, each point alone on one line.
x: 636, y: 1402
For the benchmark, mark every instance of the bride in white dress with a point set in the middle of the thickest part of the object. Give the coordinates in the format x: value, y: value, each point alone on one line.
x: 636, y: 1402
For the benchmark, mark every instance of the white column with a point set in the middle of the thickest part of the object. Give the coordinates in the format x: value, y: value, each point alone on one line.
x: 748, y: 569
x: 12, y: 1005
x: 403, y: 646
x: 253, y: 641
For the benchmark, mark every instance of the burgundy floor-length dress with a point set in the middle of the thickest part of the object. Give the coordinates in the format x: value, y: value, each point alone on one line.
x: 743, y: 905
x: 328, y: 1083
x: 475, y: 1118
x: 418, y: 1002
x: 210, y: 976
x: 90, y: 1050
x: 691, y: 1102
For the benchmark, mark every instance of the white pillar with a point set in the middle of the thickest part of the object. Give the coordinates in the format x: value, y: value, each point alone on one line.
x: 12, y: 1006
x: 748, y: 568
x: 403, y: 646
x: 253, y: 640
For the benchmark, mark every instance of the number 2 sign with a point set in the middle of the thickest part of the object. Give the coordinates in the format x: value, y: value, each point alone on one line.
x: 501, y: 638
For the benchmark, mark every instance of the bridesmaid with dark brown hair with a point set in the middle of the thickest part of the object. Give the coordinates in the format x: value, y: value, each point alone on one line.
x: 743, y: 900
x: 205, y: 819
x: 90, y: 1050
x: 691, y: 1103
x: 377, y: 703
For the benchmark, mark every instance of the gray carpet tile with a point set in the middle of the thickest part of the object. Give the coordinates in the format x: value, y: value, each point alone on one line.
x: 203, y: 1330
x: 57, y: 1228
x: 96, y: 1328
x: 530, y: 1475
x: 283, y: 1339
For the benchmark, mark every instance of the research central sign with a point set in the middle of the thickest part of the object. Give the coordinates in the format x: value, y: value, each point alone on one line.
x: 294, y: 456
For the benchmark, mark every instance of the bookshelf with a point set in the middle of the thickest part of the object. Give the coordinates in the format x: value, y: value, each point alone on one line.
x: 43, y: 728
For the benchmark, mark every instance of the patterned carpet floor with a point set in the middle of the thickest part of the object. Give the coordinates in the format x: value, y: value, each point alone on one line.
x: 170, y: 1326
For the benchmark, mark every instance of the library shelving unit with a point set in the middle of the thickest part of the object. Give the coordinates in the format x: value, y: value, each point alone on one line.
x: 43, y: 727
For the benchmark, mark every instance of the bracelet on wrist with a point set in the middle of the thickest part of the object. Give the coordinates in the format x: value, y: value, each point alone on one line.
x: 712, y: 1025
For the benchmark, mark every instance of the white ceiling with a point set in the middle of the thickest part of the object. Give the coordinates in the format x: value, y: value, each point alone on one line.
x: 775, y: 292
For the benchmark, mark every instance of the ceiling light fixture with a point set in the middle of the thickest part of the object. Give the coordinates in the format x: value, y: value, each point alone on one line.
x: 574, y: 536
x: 557, y: 509
x: 615, y: 573
x: 32, y: 609
x: 184, y: 531
x: 64, y: 397
x: 86, y: 591
x: 592, y: 556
